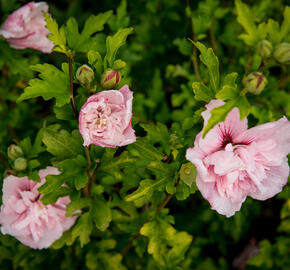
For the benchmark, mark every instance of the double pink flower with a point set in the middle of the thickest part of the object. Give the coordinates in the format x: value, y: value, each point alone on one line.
x: 25, y: 28
x: 24, y: 216
x: 234, y: 162
x: 105, y: 119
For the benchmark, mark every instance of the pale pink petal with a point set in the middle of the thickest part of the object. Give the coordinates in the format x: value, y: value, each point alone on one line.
x: 105, y: 119
x: 25, y: 28
x: 276, y: 179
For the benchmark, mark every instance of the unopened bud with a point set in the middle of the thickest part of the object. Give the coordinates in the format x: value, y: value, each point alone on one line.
x: 85, y: 75
x: 110, y: 79
x: 14, y: 151
x: 20, y: 164
x: 255, y: 82
x: 265, y: 48
x: 282, y: 53
x: 188, y: 173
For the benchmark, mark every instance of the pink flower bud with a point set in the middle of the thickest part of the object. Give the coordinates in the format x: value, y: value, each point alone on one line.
x: 255, y: 82
x: 14, y: 151
x: 25, y: 28
x: 105, y: 119
x: 110, y: 79
x: 85, y: 75
x: 24, y: 216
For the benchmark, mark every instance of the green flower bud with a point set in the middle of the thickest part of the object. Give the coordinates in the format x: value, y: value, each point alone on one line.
x: 110, y: 79
x: 265, y: 48
x: 282, y: 53
x: 85, y: 75
x: 20, y: 164
x: 14, y: 151
x: 188, y: 173
x: 255, y: 82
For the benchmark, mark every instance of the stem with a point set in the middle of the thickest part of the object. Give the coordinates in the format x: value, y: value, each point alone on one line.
x: 130, y: 243
x: 72, y: 100
x: 194, y: 50
x: 212, y: 37
x: 91, y: 175
x: 163, y: 203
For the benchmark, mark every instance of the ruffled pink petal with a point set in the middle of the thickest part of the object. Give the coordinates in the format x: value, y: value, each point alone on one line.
x: 221, y: 204
x: 276, y: 178
x: 278, y: 131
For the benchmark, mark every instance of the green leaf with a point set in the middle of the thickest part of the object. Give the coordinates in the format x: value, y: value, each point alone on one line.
x: 77, y: 203
x: 110, y: 165
x: 73, y: 171
x: 113, y: 43
x: 83, y: 229
x: 165, y: 244
x: 62, y: 144
x: 145, y: 150
x: 202, y: 92
x: 53, y: 83
x: 227, y: 92
x: 208, y: 58
x: 101, y: 214
x: 285, y: 27
x: 53, y: 196
x: 247, y: 19
x: 121, y: 19
x: 83, y: 42
x: 95, y: 59
x: 146, y: 189
x: 57, y: 36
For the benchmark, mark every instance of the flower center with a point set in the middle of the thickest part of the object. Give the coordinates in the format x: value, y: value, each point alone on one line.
x: 101, y: 116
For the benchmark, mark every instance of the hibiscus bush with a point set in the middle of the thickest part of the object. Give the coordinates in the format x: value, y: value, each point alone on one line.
x: 145, y: 134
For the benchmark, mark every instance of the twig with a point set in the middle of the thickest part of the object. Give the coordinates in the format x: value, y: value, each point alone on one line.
x: 72, y: 100
x: 130, y: 243
x: 91, y: 175
x: 163, y: 203
x: 194, y: 50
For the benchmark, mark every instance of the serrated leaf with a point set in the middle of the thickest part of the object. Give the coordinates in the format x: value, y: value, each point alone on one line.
x: 57, y: 36
x: 62, y: 144
x: 83, y: 229
x: 146, y: 150
x: 118, y: 64
x: 53, y: 83
x: 208, y: 58
x: 165, y: 244
x: 95, y: 59
x: 202, y: 92
x: 230, y: 79
x: 227, y: 92
x: 77, y: 203
x: 123, y: 160
x: 73, y: 171
x: 146, y: 189
x: 101, y: 214
x: 82, y: 42
x: 53, y: 196
x: 247, y: 19
x: 113, y: 43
